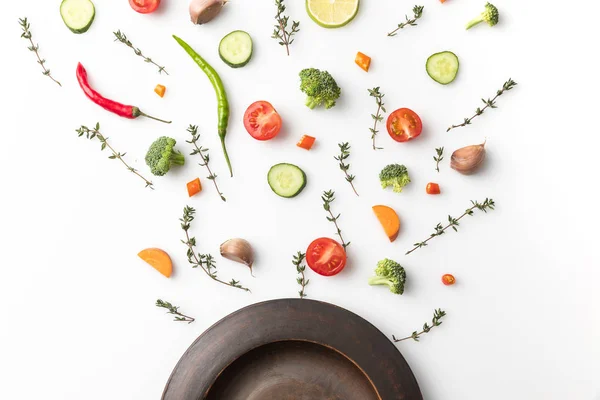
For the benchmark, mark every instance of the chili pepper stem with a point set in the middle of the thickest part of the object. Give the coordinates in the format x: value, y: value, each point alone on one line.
x: 226, y: 156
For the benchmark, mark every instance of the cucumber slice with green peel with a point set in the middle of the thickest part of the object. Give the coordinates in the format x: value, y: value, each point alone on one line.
x: 235, y: 49
x: 78, y: 15
x: 286, y: 180
x: 442, y: 67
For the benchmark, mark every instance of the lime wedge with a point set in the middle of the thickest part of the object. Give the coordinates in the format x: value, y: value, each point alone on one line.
x: 332, y: 13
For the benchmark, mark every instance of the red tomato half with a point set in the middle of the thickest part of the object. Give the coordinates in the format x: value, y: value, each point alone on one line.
x: 326, y: 257
x: 144, y: 6
x: 262, y: 121
x: 404, y: 124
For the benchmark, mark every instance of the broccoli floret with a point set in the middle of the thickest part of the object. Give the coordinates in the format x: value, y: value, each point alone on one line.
x: 161, y: 155
x: 320, y: 88
x: 389, y: 272
x: 489, y: 15
x: 395, y: 175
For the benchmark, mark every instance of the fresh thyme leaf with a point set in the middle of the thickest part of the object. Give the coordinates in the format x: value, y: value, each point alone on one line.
x: 298, y: 260
x: 328, y: 197
x: 417, y: 11
x: 344, y: 154
x: 489, y: 103
x: 25, y: 25
x: 179, y: 317
x: 203, y: 153
x: 488, y: 204
x: 121, y: 37
x: 281, y: 33
x: 440, y: 157
x: 91, y: 133
x: 435, y: 321
x: 377, y: 117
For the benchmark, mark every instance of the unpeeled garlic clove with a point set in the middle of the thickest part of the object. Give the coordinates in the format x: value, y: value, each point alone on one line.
x: 468, y: 159
x: 203, y: 11
x: 238, y: 250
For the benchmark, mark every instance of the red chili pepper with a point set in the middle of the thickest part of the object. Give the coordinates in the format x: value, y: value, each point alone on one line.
x: 122, y: 110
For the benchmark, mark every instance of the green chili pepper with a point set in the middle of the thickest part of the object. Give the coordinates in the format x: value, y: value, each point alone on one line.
x: 222, y: 103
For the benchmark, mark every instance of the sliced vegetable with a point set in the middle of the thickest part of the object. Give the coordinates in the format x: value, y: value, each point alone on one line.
x: 203, y: 11
x: 286, y: 180
x: 306, y: 142
x: 332, y: 13
x: 159, y: 259
x: 363, y: 61
x: 448, y: 279
x: 404, y: 124
x: 160, y: 90
x: 389, y: 220
x: 144, y: 6
x: 262, y: 121
x: 194, y: 187
x: 77, y: 15
x: 432, y: 188
x: 235, y: 49
x: 326, y: 257
x: 442, y: 67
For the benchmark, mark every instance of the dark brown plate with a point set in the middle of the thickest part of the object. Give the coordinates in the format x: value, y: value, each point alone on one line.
x: 292, y: 349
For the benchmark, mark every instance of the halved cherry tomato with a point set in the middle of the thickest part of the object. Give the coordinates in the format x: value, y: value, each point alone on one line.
x: 326, y: 257
x: 404, y: 124
x: 144, y: 6
x: 433, y: 188
x: 262, y: 121
x: 448, y: 280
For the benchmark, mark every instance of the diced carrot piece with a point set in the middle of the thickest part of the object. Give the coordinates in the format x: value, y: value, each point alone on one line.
x: 389, y: 221
x: 306, y: 142
x: 194, y: 187
x: 160, y: 90
x: 159, y: 259
x: 442, y: 1
x: 363, y: 61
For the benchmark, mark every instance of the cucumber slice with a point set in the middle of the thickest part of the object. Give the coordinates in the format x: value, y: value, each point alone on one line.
x: 77, y: 15
x: 442, y: 67
x: 235, y: 49
x: 286, y: 180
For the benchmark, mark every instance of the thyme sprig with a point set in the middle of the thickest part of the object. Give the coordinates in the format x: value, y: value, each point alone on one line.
x: 35, y: 47
x: 488, y: 204
x: 179, y: 317
x: 121, y: 37
x: 204, y: 261
x: 435, y: 321
x: 438, y: 158
x: 95, y: 133
x: 203, y: 153
x: 280, y: 32
x: 377, y: 117
x: 489, y: 103
x: 328, y: 198
x: 344, y: 154
x: 300, y: 268
x: 417, y: 11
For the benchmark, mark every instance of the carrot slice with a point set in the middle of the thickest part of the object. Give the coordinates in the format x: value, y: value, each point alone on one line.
x: 194, y: 187
x: 389, y: 221
x: 159, y: 259
x: 160, y: 90
x: 306, y: 142
x: 363, y: 61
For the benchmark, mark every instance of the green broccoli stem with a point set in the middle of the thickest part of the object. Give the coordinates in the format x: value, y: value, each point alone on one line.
x: 474, y: 22
x: 311, y: 102
x: 379, y: 280
x: 177, y: 158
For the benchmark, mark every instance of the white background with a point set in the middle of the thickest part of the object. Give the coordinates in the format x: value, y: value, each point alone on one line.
x: 77, y: 313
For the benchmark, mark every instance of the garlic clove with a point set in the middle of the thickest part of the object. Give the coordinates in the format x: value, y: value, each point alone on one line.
x: 238, y: 250
x: 203, y: 11
x: 468, y: 159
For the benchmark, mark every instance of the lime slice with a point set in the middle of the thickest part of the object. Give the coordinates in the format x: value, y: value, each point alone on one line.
x: 332, y: 13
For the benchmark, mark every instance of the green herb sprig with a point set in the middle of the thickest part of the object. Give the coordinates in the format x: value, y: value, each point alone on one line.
x: 328, y: 198
x: 121, y: 37
x: 440, y: 156
x: 179, y: 317
x: 377, y: 117
x: 488, y: 204
x: 417, y: 11
x: 489, y: 103
x: 344, y: 154
x: 35, y: 47
x: 203, y: 153
x: 95, y: 133
x: 300, y: 268
x: 204, y: 261
x: 281, y: 33
x: 435, y: 321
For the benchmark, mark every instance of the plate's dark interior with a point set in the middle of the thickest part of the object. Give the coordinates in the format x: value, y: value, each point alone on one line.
x: 292, y: 370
